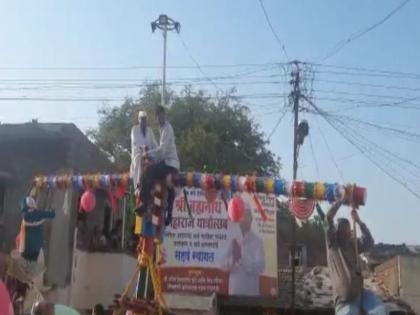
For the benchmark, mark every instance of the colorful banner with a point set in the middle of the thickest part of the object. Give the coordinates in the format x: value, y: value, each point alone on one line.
x: 208, y: 253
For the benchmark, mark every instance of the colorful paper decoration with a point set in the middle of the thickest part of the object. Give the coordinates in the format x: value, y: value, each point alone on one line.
x: 279, y: 188
x: 269, y: 186
x: 229, y: 183
x: 309, y: 190
x: 298, y: 188
x: 233, y: 185
x: 359, y: 195
x: 301, y: 208
x: 226, y: 182
x: 319, y: 191
x: 331, y: 192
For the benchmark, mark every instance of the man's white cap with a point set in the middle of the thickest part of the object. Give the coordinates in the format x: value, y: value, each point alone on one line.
x: 142, y: 114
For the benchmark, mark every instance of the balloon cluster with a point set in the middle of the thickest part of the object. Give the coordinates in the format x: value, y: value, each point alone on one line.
x: 90, y: 181
x: 215, y: 182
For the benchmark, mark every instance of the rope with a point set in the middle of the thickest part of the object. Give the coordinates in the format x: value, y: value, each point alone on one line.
x: 187, y: 203
x: 130, y: 283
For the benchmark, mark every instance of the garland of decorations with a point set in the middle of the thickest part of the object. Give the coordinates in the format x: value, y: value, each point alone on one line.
x: 232, y: 183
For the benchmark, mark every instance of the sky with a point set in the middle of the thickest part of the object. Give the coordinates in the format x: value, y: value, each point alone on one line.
x: 39, y: 37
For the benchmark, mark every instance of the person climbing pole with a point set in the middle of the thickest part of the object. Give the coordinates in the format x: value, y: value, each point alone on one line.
x: 350, y: 297
x: 165, y: 161
x: 142, y: 139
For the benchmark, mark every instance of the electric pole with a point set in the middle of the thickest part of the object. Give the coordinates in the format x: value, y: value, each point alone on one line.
x: 165, y: 24
x: 295, y: 95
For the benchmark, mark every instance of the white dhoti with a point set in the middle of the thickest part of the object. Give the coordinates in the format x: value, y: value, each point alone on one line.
x: 135, y: 169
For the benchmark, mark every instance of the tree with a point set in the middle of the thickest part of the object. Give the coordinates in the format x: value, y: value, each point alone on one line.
x: 212, y: 135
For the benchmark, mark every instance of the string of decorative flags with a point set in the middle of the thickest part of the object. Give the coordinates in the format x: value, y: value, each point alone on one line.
x: 231, y: 183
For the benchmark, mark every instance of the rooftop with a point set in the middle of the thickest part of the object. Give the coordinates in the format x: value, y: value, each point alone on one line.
x: 35, y: 148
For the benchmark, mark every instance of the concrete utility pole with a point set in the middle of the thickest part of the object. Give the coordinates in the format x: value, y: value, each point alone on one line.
x: 301, y: 130
x: 165, y: 23
x: 295, y: 95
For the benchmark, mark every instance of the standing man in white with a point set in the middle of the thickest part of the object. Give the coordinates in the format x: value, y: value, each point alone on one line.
x: 142, y: 140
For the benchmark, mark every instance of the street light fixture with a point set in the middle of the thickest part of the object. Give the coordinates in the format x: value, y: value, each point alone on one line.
x: 165, y: 24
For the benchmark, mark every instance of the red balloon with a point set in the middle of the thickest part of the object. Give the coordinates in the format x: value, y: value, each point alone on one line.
x: 88, y: 201
x: 236, y: 209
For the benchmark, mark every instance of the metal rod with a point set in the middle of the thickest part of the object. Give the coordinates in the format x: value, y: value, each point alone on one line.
x: 124, y: 222
x: 165, y: 29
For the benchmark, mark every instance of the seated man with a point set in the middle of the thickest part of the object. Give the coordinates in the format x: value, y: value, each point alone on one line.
x: 165, y: 161
x: 142, y: 139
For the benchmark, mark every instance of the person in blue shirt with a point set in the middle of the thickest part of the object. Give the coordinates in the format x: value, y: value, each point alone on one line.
x: 32, y: 236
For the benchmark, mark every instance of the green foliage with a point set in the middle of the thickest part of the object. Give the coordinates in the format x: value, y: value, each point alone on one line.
x: 211, y: 135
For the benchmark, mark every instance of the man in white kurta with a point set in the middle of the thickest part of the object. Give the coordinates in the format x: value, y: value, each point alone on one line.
x: 142, y: 140
x: 245, y: 259
x: 165, y: 161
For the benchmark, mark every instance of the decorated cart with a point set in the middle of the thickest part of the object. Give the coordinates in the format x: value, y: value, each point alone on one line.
x: 151, y: 228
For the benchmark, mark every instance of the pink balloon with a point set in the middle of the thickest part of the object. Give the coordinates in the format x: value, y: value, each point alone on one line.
x: 88, y: 201
x: 236, y: 209
x: 6, y: 307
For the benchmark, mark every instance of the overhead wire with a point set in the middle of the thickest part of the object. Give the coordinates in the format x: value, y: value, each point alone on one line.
x: 314, y: 157
x: 339, y: 172
x: 360, y: 103
x: 341, y: 44
x: 363, y: 150
x: 377, y: 126
x: 389, y: 155
x: 59, y: 99
x: 361, y: 84
x: 374, y: 160
x: 366, y: 70
x: 401, y: 98
x: 354, y: 70
x: 184, y: 44
x: 369, y: 74
x: 133, y: 67
x: 273, y: 31
x: 284, y: 112
x: 372, y: 144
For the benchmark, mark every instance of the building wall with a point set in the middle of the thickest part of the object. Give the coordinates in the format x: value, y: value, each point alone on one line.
x: 389, y: 275
x: 410, y: 281
x: 28, y: 150
x: 98, y: 276
x: 310, y: 235
x: 14, y: 191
